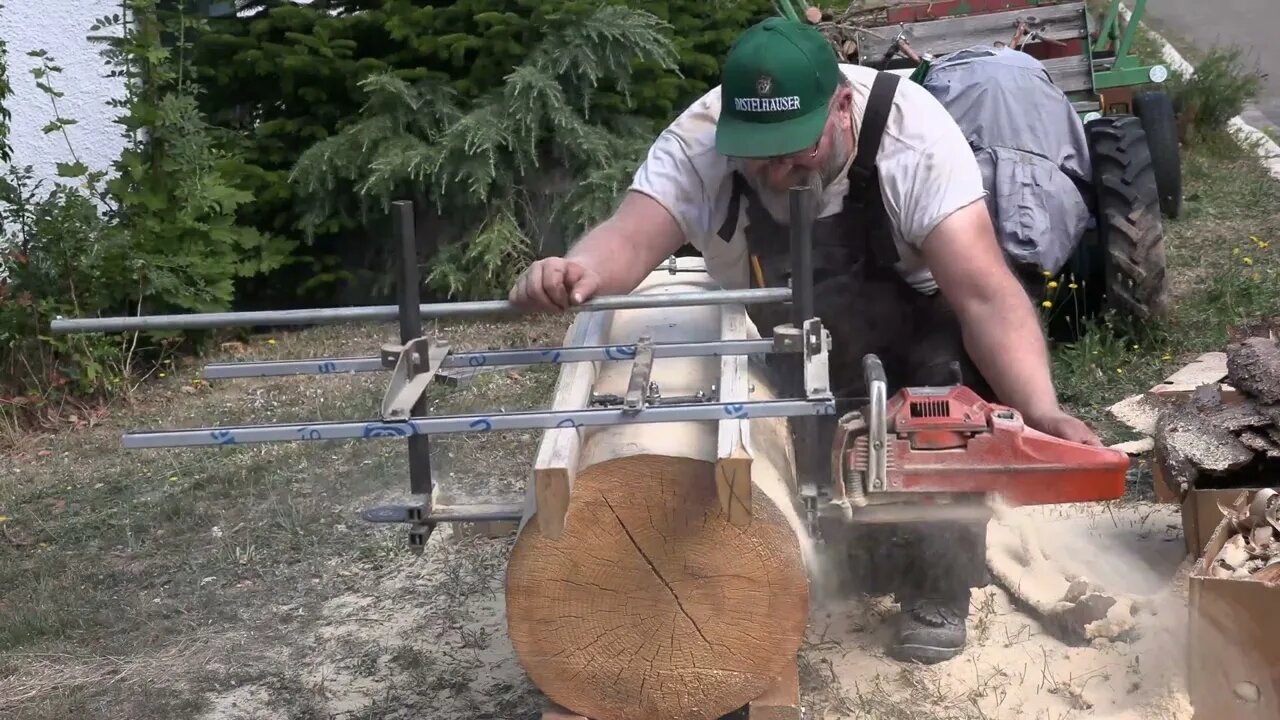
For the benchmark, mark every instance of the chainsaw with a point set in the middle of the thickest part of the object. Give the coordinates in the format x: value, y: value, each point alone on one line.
x: 944, y: 453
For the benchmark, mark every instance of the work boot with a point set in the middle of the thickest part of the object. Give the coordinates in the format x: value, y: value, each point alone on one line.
x: 930, y: 630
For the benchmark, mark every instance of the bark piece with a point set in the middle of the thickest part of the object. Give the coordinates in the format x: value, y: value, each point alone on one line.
x: 1258, y: 443
x: 1238, y: 417
x: 1253, y: 367
x: 650, y: 603
x: 1207, y: 447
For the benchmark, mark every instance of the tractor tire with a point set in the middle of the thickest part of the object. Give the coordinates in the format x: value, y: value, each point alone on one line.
x: 1155, y: 109
x: 1129, y: 224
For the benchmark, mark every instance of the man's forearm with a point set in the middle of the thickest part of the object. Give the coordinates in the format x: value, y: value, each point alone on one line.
x: 624, y: 249
x: 1003, y: 336
x: 616, y: 261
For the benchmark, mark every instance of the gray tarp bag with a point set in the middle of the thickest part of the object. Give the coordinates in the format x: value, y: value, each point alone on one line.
x: 1030, y: 146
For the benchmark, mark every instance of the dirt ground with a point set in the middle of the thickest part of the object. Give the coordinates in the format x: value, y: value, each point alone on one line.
x: 238, y: 584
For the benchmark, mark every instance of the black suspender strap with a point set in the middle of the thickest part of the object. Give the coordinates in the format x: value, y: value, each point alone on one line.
x: 874, y: 119
x: 730, y: 225
x: 864, y: 180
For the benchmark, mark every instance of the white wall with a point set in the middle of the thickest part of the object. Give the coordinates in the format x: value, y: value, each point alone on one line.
x: 60, y: 27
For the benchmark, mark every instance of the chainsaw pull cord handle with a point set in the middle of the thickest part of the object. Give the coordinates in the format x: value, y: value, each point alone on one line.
x: 877, y: 424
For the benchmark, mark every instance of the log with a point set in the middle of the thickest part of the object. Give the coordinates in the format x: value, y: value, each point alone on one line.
x: 651, y: 603
x: 556, y: 462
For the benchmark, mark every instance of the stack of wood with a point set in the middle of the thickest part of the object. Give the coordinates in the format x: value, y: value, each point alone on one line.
x: 1252, y: 552
x: 1209, y: 441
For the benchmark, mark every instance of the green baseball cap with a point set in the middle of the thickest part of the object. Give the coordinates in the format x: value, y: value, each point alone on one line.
x: 775, y: 88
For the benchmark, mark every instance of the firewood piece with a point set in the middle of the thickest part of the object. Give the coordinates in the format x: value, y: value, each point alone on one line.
x: 1258, y: 443
x: 1179, y: 474
x: 1253, y: 367
x: 1238, y: 417
x: 1207, y: 447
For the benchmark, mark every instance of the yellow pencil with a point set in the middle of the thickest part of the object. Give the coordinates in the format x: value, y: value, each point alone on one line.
x: 755, y: 265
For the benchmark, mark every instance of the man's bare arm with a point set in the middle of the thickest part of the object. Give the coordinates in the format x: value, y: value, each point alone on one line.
x: 1001, y: 331
x: 630, y: 244
x: 612, y: 259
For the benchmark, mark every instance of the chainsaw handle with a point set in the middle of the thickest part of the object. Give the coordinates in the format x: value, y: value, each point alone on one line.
x: 873, y: 371
x: 877, y: 423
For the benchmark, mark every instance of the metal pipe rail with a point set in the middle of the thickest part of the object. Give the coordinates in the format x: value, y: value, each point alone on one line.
x: 366, y: 313
x: 476, y: 423
x: 490, y: 358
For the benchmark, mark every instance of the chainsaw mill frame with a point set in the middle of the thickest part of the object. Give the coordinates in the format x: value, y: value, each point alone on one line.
x: 414, y: 364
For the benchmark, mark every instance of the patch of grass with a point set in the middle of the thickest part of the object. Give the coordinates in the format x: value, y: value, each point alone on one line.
x: 1224, y: 270
x: 108, y: 553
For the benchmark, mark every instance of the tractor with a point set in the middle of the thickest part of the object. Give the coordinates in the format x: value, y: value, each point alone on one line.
x: 1045, y: 89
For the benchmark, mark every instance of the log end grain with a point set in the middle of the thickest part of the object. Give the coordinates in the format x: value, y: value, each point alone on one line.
x: 651, y: 604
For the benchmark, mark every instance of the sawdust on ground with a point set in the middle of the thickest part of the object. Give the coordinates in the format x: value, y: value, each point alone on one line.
x: 428, y: 632
x: 1014, y: 667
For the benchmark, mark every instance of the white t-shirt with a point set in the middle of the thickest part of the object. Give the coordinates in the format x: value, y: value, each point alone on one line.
x: 927, y: 172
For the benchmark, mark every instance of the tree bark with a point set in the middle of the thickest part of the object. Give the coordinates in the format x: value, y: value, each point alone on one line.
x: 1253, y: 367
x: 648, y: 603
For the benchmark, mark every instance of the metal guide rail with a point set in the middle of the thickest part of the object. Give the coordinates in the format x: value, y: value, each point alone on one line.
x: 415, y: 361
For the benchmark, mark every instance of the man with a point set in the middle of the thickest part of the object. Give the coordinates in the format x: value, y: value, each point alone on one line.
x: 906, y: 263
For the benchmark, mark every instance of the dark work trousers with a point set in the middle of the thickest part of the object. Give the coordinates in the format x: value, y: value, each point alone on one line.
x: 917, y: 337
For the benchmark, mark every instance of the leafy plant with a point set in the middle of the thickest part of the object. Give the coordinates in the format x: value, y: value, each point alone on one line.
x: 159, y: 234
x: 1217, y: 91
x: 494, y: 165
x: 177, y: 188
x: 292, y: 74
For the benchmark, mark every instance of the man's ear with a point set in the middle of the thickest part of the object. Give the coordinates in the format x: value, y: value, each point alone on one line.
x: 843, y: 106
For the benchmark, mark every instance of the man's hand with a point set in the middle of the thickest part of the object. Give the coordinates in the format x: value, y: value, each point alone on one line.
x: 553, y: 284
x: 612, y: 259
x: 1062, y: 425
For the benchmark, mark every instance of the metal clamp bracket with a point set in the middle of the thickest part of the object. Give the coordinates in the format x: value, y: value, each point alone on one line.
x: 638, y: 388
x: 416, y: 364
x: 813, y: 342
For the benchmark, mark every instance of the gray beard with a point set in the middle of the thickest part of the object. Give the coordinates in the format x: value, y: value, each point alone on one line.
x: 816, y: 182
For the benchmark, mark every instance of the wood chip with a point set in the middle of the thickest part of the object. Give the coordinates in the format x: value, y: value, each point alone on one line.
x: 1269, y: 574
x: 1135, y: 447
x: 1253, y: 367
x: 1208, y: 368
x: 1139, y: 412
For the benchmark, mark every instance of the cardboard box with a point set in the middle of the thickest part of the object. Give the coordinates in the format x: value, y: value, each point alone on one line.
x: 1233, y: 644
x: 1201, y: 516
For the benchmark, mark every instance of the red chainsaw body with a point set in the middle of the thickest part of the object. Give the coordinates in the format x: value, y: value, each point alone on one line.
x: 950, y: 440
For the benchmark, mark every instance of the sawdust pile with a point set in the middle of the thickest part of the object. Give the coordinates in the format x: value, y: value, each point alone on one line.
x: 1086, y: 617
